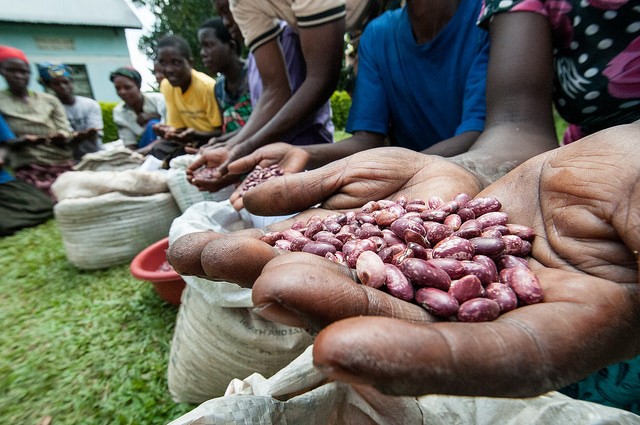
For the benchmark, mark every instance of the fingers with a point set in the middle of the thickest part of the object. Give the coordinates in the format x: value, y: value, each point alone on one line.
x: 523, y: 353
x: 290, y: 193
x: 184, y: 254
x: 236, y: 258
x: 305, y: 290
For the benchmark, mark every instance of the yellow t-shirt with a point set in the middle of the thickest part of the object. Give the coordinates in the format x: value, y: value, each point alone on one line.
x: 197, y: 108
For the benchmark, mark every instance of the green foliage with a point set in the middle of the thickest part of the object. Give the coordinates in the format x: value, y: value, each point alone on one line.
x: 182, y: 18
x: 82, y: 347
x: 340, y: 105
x: 110, y: 129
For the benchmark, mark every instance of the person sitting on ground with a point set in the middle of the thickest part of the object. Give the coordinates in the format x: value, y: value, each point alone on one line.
x: 221, y: 55
x: 280, y: 110
x: 138, y: 112
x: 584, y: 255
x: 43, y: 149
x: 421, y: 83
x: 84, y: 113
x: 193, y: 115
x: 21, y: 204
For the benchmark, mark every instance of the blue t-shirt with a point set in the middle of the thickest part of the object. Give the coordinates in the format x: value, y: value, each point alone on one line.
x: 421, y: 94
x: 5, y: 134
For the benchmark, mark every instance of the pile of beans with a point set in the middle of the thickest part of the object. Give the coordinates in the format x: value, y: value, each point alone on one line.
x: 460, y: 259
x: 204, y: 174
x: 259, y: 175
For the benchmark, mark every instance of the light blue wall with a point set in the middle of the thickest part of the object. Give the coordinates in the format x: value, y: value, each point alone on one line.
x: 101, y: 50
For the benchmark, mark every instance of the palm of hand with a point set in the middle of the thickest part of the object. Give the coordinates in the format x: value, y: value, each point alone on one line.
x: 585, y: 226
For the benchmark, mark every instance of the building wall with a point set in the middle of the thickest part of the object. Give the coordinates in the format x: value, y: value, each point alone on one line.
x: 100, y: 50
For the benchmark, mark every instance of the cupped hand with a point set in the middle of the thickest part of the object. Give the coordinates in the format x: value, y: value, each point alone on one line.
x: 289, y: 158
x: 373, y: 174
x: 583, y: 202
x: 210, y: 158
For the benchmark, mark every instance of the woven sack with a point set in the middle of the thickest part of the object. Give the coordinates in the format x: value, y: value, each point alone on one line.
x: 217, y: 336
x: 113, y: 228
x: 187, y: 194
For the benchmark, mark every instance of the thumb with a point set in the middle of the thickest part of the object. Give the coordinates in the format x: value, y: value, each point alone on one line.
x: 292, y: 193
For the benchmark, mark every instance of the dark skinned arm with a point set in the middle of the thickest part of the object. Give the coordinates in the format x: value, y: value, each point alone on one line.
x: 519, y: 121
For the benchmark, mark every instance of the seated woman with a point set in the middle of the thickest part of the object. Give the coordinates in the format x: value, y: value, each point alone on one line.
x: 138, y: 112
x: 221, y: 55
x: 21, y: 205
x: 43, y: 148
x: 84, y: 113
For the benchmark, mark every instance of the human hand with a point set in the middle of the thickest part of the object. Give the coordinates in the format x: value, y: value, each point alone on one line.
x: 212, y: 180
x: 351, y: 182
x: 58, y: 139
x: 289, y: 158
x: 582, y: 202
x: 163, y: 130
x: 143, y: 117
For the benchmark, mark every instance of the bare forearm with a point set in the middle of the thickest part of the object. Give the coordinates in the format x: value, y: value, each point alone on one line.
x: 454, y: 145
x: 502, y: 148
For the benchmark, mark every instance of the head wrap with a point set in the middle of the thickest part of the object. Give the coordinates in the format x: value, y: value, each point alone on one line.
x: 49, y: 71
x: 129, y: 73
x: 8, y: 52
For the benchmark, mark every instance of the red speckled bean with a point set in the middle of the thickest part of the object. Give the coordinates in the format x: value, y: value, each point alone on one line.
x: 485, y: 205
x: 319, y: 248
x: 462, y: 199
x: 503, y: 295
x: 283, y: 244
x: 493, y: 218
x: 384, y: 217
x: 454, y: 247
x: 514, y: 245
x: 490, y: 247
x: 469, y: 229
x: 271, y: 237
x: 434, y: 215
x: 490, y: 266
x: 397, y: 283
x: 454, y: 221
x: 524, y: 283
x: 478, y: 310
x: 419, y: 251
x: 402, y: 224
x: 479, y: 270
x: 370, y: 269
x: 421, y: 273
x: 466, y: 288
x: 524, y: 232
x: 466, y: 214
x: 437, y: 302
x: 435, y: 202
x: 298, y: 243
x: 437, y: 232
x: 451, y: 266
x: 506, y: 261
x: 411, y: 235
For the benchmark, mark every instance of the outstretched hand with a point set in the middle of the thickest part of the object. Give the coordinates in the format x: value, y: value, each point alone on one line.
x: 583, y: 203
x: 288, y: 158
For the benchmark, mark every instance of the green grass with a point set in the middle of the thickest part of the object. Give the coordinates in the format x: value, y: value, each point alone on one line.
x: 81, y: 347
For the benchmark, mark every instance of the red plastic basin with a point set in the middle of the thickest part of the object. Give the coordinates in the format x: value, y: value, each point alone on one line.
x: 168, y: 284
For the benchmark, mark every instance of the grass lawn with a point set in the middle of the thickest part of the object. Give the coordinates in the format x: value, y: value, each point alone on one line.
x: 81, y: 347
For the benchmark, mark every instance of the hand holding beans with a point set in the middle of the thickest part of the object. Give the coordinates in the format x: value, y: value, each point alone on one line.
x: 583, y: 203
